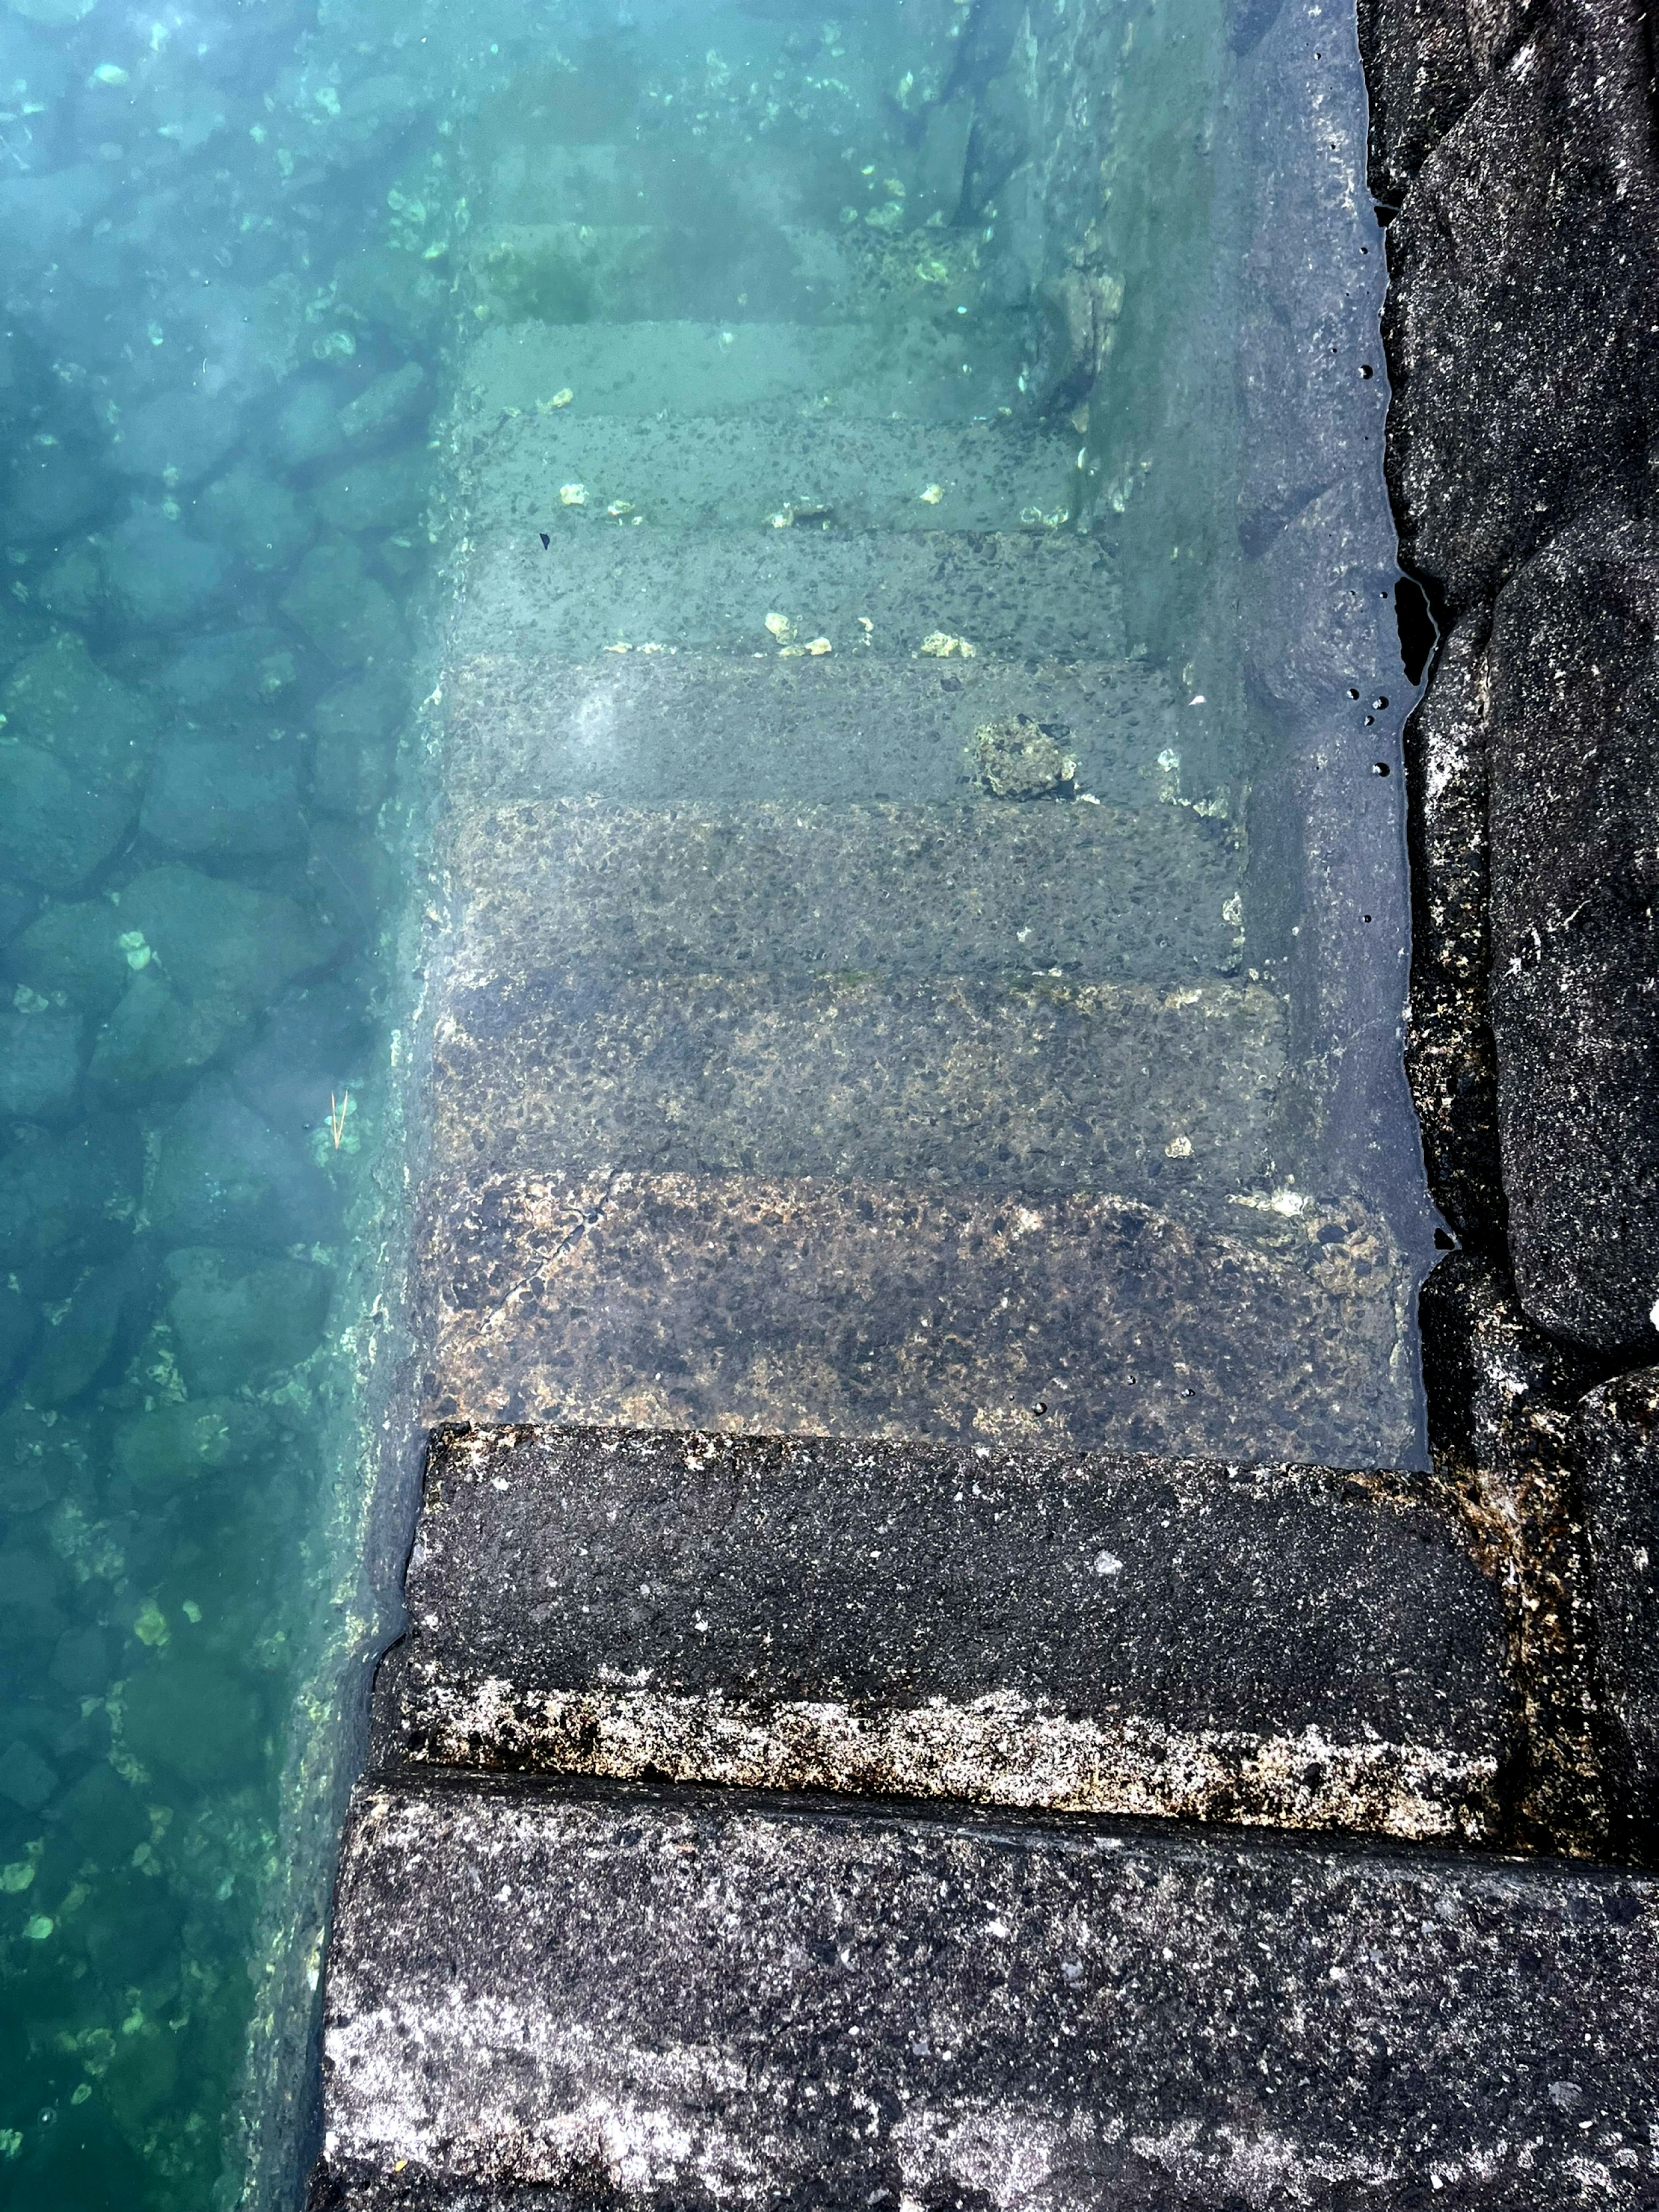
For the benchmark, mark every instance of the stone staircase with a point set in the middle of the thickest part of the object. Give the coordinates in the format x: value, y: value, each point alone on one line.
x: 879, y: 1352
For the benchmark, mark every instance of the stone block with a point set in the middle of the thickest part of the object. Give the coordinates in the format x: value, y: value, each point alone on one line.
x: 1617, y: 1432
x: 1574, y: 818
x: 1128, y: 1635
x: 542, y: 1993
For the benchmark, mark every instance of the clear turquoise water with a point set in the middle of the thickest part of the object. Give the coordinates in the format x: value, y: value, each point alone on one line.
x: 239, y: 269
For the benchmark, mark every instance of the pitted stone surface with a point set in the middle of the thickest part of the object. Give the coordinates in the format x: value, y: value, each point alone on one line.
x: 709, y: 1999
x: 1045, y: 596
x: 1616, y: 1434
x: 1275, y: 1645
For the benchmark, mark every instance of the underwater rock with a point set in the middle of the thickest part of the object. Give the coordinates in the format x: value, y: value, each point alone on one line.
x: 308, y: 426
x: 73, y: 950
x: 21, y: 634
x: 375, y: 495
x: 19, y: 1319
x: 179, y: 1444
x: 196, y: 1717
x: 222, y: 673
x: 1019, y: 759
x: 362, y: 709
x: 31, y: 1582
x: 348, y: 614
x: 180, y: 436
x: 239, y: 1318
x: 257, y: 518
x: 316, y: 1047
x: 159, y: 577
x: 54, y: 831
x: 154, y: 1039
x: 80, y: 1340
x: 73, y: 589
x: 219, y: 942
x: 25, y: 1777
x: 222, y: 800
x: 225, y: 1176
x: 38, y: 215
x: 67, y: 1200
x: 59, y: 698
x: 351, y: 775
x: 48, y: 489
x: 389, y: 401
x: 40, y: 1065
x: 81, y: 1663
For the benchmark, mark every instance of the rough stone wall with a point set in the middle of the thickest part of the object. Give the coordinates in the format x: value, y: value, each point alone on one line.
x: 1513, y: 163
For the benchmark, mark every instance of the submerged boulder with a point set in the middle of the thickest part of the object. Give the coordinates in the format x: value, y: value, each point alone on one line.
x: 241, y: 1318
x: 347, y: 613
x: 224, y: 799
x: 225, y: 1176
x: 40, y: 1065
x: 58, y: 698
x: 219, y: 942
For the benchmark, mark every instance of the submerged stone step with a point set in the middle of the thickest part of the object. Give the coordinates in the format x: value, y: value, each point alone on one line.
x: 986, y: 888
x: 659, y: 267
x: 1033, y: 1085
x: 853, y: 1309
x: 895, y: 595
x: 730, y: 474
x: 1128, y: 1635
x: 653, y: 729
x: 928, y: 370
x: 712, y: 1997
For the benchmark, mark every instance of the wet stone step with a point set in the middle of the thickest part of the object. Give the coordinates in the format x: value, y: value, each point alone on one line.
x: 923, y: 369
x: 730, y: 474
x: 763, y: 1304
x: 653, y: 729
x: 660, y: 267
x: 630, y: 181
x: 1021, y: 595
x: 1126, y: 1636
x: 980, y: 888
x: 712, y: 1997
x: 1033, y: 1086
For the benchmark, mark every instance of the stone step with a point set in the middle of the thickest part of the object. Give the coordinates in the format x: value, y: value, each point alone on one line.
x: 731, y: 474
x: 673, y: 268
x: 1030, y: 1086
x: 894, y: 595
x: 658, y: 729
x: 1278, y: 1646
x: 979, y: 889
x: 646, y: 1996
x: 639, y: 178
x: 763, y: 1304
x: 931, y: 370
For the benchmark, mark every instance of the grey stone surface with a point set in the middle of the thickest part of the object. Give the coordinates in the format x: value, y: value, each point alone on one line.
x: 652, y: 729
x: 862, y: 473
x: 1617, y: 1435
x: 1524, y: 264
x: 549, y: 1995
x: 1098, y: 893
x: 1271, y: 1645
x: 1422, y: 81
x: 1022, y: 594
x: 1574, y: 816
x: 1016, y: 1086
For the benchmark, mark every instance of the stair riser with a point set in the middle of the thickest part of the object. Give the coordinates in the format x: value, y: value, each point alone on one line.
x: 631, y: 273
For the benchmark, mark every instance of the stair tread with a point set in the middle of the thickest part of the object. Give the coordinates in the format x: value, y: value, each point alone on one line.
x: 1284, y: 1647
x: 757, y: 1304
x: 529, y: 1983
x: 921, y: 368
x: 655, y: 729
x: 737, y: 474
x: 991, y: 888
x: 1029, y: 1086
x: 1022, y: 595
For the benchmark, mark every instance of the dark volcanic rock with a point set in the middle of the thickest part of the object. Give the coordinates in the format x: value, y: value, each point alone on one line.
x: 1422, y: 80
x: 1525, y: 266
x: 1449, y: 1052
x: 1574, y: 812
x: 1618, y: 1428
x: 722, y: 1999
x: 1131, y: 1635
